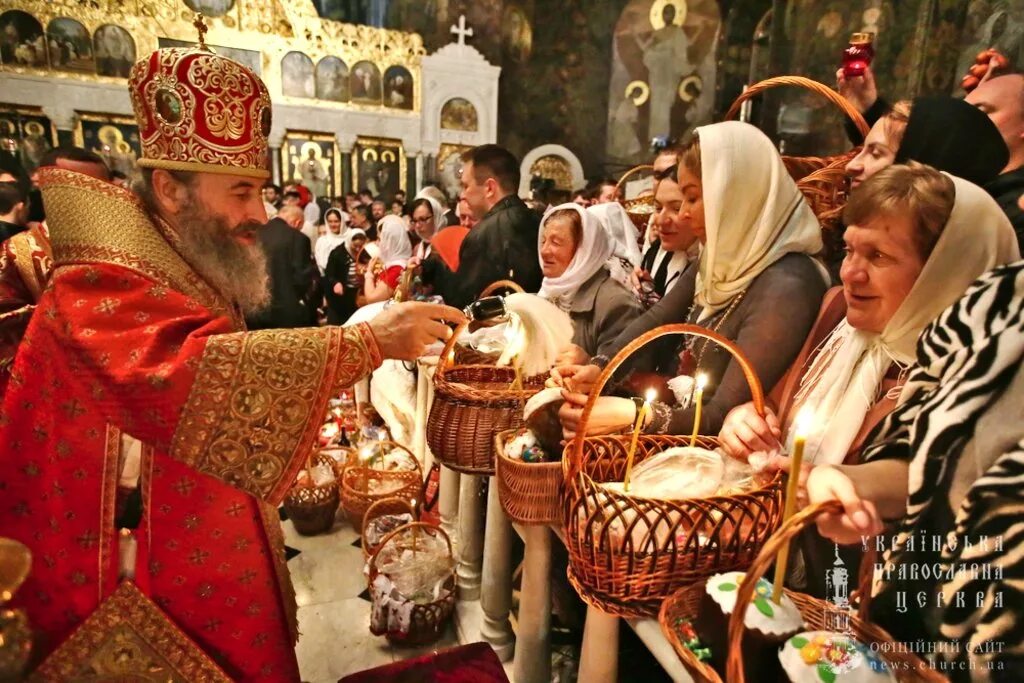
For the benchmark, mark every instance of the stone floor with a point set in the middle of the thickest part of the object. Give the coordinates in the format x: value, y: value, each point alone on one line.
x: 334, y: 622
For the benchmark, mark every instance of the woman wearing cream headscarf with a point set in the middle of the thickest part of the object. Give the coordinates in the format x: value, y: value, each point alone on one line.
x: 756, y: 283
x: 575, y: 252
x: 916, y: 239
x: 395, y: 252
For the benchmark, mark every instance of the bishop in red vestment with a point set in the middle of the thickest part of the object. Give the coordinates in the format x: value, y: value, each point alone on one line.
x: 139, y: 345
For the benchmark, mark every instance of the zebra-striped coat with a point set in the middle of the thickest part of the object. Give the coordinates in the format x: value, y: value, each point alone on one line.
x: 973, y: 593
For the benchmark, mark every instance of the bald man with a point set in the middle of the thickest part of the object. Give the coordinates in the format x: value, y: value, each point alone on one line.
x: 292, y: 272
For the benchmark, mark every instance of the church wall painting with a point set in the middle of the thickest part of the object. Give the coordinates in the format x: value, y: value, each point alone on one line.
x: 114, y: 50
x: 379, y: 165
x: 663, y: 74
x: 365, y: 83
x: 313, y: 160
x: 516, y: 34
x: 297, y: 79
x: 449, y: 163
x: 22, y: 42
x: 114, y: 138
x: 398, y: 88
x: 27, y: 134
x: 332, y: 80
x: 250, y: 58
x: 70, y: 46
x: 459, y: 113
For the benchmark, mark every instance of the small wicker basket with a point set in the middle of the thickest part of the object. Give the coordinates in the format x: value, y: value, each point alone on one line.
x: 683, y: 605
x: 312, y: 508
x: 428, y: 620
x: 639, y: 209
x: 627, y: 554
x: 358, y: 477
x: 381, y: 508
x: 472, y: 404
x: 530, y: 492
x: 467, y: 355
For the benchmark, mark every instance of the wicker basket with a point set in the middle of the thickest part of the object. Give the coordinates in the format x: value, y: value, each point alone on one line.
x: 467, y: 355
x: 429, y: 620
x: 472, y: 404
x: 530, y: 492
x: 312, y: 508
x: 640, y: 209
x: 356, y: 497
x: 626, y: 554
x: 683, y: 606
x: 385, y: 506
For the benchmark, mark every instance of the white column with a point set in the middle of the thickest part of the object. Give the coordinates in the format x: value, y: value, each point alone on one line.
x: 448, y: 504
x: 420, y: 180
x: 599, y: 657
x: 471, y: 536
x: 496, y: 586
x: 532, y: 662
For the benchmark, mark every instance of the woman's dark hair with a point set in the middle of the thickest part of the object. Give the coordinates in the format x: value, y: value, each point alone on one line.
x: 422, y: 201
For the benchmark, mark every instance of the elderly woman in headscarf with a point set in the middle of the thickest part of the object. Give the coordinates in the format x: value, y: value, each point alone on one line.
x: 395, y: 252
x: 757, y: 283
x: 342, y: 282
x: 575, y: 253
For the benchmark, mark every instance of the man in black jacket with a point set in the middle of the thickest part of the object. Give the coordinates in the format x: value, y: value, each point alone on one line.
x: 503, y: 245
x: 291, y: 269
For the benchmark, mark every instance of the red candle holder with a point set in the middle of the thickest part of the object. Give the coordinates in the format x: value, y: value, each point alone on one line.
x: 858, y: 55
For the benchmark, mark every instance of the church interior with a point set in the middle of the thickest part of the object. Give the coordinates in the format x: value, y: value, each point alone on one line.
x: 511, y: 340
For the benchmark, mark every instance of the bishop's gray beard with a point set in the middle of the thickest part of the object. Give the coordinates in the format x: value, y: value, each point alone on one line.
x: 237, y: 271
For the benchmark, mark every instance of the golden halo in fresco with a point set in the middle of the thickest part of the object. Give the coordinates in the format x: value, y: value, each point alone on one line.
x: 640, y: 98
x: 658, y: 13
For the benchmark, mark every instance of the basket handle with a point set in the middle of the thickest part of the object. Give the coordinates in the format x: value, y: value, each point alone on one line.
x: 781, y: 538
x: 501, y: 284
x: 372, y: 566
x: 368, y: 515
x: 814, y: 86
x: 635, y: 169
x: 757, y: 393
x: 394, y: 445
x: 448, y: 353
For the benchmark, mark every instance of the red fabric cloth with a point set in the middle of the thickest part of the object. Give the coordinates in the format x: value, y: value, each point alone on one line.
x: 392, y: 275
x: 475, y: 663
x: 447, y: 244
x: 226, y: 418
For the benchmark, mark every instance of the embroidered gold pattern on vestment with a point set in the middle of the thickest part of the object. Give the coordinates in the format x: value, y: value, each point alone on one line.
x: 129, y: 638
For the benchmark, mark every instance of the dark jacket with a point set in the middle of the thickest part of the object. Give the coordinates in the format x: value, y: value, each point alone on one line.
x: 339, y: 307
x: 600, y: 310
x: 9, y: 230
x: 502, y: 246
x: 291, y: 269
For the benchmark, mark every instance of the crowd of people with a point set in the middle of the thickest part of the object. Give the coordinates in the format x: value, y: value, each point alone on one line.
x: 907, y: 347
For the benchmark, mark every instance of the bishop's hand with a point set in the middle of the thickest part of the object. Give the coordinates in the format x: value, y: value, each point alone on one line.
x: 404, y: 331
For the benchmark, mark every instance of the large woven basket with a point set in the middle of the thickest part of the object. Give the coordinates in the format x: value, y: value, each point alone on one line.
x: 472, y: 404
x: 429, y: 620
x: 312, y: 508
x: 818, y: 614
x: 640, y: 209
x: 467, y: 355
x: 627, y: 554
x: 530, y: 492
x: 356, y: 497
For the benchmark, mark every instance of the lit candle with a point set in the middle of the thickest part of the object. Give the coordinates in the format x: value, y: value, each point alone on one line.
x: 698, y: 396
x: 641, y: 416
x: 803, y: 424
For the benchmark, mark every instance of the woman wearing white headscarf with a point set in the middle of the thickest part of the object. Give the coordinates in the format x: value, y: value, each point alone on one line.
x: 925, y: 226
x: 335, y: 221
x: 624, y: 237
x: 575, y: 251
x: 427, y: 220
x: 757, y: 283
x: 395, y: 252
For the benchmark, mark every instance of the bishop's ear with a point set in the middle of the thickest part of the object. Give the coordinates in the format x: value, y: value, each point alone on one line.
x: 170, y: 191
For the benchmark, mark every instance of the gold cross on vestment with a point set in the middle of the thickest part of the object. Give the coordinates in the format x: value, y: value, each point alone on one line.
x: 202, y: 28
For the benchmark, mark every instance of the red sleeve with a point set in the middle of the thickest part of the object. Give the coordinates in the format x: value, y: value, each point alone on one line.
x: 244, y: 407
x: 392, y: 276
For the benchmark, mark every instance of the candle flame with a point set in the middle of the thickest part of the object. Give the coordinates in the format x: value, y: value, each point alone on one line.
x: 804, y: 422
x: 651, y: 395
x: 702, y: 381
